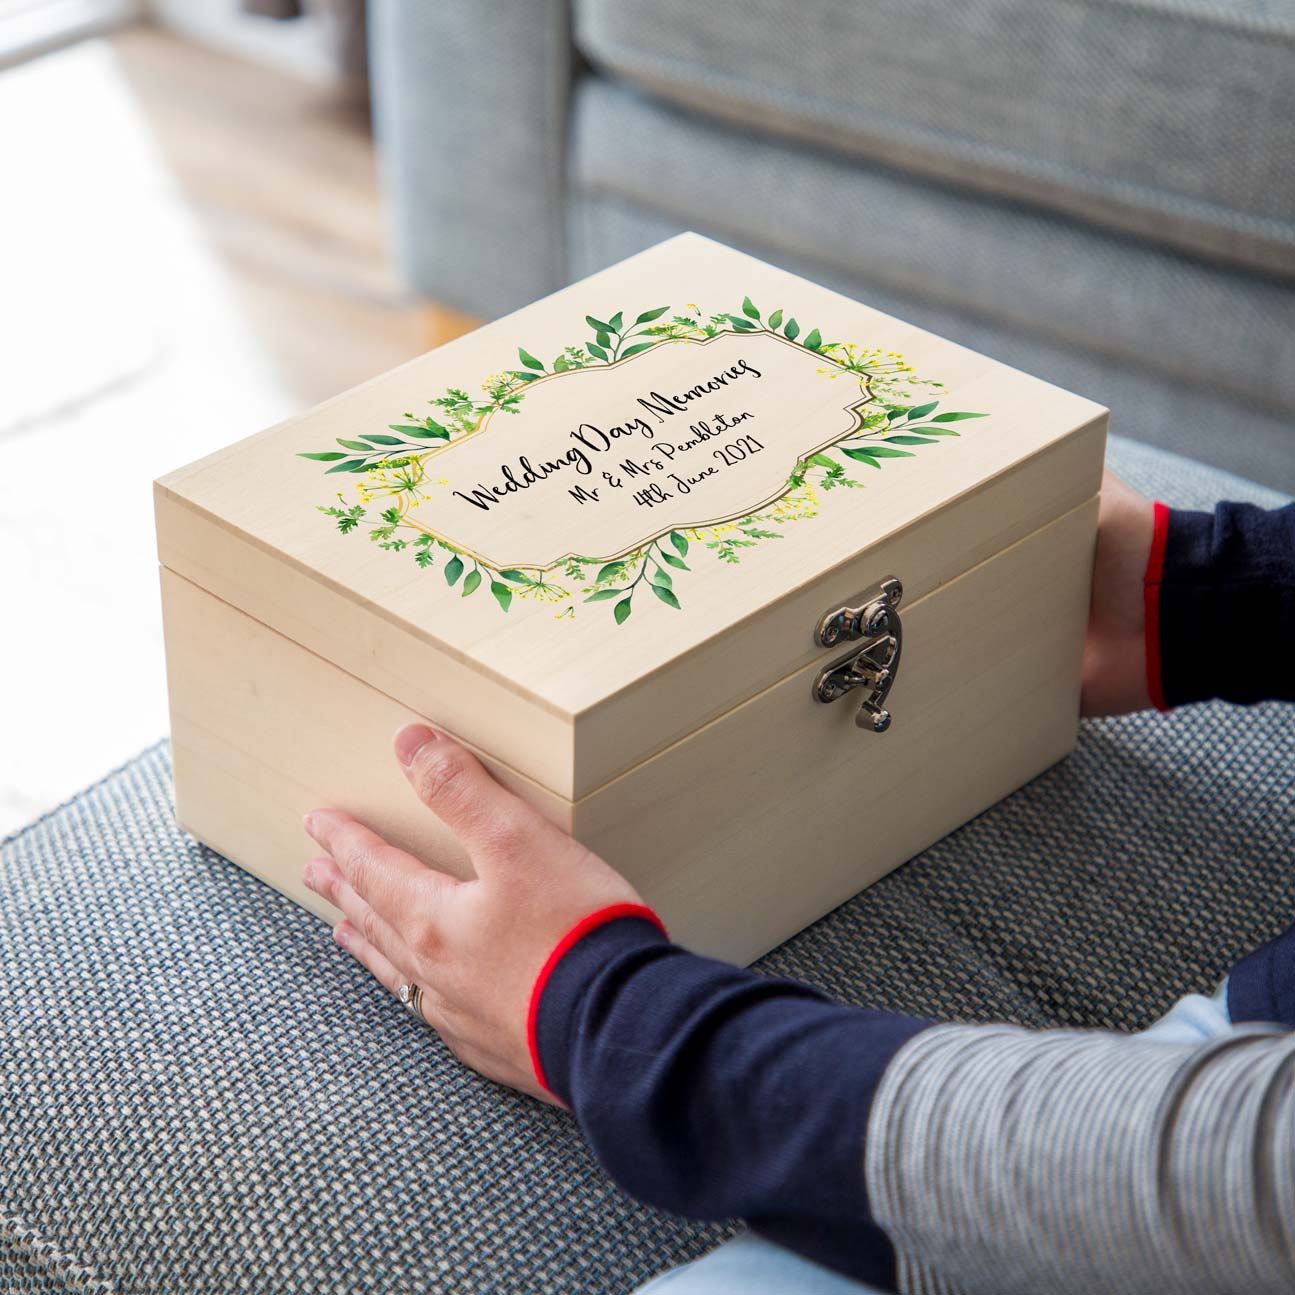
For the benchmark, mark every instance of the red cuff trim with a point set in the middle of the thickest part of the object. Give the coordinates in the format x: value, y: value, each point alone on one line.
x: 577, y: 933
x: 1151, y: 604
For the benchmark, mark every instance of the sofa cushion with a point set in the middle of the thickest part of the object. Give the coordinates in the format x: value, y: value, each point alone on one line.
x: 1201, y: 420
x: 1224, y: 331
x: 201, y: 1093
x: 1174, y: 119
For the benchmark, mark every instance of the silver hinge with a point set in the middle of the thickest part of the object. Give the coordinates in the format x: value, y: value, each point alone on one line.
x: 873, y: 665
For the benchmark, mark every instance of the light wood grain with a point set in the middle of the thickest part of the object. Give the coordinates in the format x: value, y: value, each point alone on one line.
x: 280, y: 173
x: 263, y: 731
x: 592, y: 699
x: 741, y: 834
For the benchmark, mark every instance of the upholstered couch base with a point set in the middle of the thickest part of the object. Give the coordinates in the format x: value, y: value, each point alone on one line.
x: 199, y: 1092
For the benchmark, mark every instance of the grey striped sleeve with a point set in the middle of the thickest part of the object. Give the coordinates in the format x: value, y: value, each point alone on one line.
x: 1077, y: 1163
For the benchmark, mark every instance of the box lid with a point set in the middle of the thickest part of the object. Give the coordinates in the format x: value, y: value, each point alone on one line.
x: 581, y: 532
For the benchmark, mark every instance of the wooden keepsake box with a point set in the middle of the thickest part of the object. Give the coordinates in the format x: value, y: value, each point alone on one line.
x: 755, y: 590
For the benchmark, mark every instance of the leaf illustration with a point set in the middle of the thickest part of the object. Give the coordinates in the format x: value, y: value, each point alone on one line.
x: 659, y: 563
x: 861, y: 456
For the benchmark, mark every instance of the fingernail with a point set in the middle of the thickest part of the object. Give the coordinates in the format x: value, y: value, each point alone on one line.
x: 309, y: 823
x: 410, y: 740
x: 340, y: 936
x: 308, y: 874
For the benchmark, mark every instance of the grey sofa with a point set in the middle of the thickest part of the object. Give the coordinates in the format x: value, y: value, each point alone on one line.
x: 199, y: 1092
x: 1099, y: 191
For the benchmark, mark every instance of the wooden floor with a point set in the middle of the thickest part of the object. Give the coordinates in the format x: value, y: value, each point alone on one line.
x: 191, y: 249
x: 280, y: 176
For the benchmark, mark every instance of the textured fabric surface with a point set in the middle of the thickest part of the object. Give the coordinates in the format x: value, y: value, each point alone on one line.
x: 469, y: 102
x: 1214, y: 329
x: 1009, y: 1162
x: 1168, y: 118
x: 199, y: 1092
x: 1232, y: 432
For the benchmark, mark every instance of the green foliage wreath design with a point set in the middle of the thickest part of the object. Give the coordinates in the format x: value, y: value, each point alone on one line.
x: 394, y: 468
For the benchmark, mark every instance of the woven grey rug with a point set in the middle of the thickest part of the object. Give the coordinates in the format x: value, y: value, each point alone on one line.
x: 200, y: 1093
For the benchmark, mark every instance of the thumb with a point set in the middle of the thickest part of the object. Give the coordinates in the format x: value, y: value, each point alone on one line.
x: 489, y: 821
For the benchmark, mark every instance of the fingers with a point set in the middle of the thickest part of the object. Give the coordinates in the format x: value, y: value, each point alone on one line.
x: 387, y: 879
x: 456, y: 787
x: 325, y: 878
x: 376, y: 962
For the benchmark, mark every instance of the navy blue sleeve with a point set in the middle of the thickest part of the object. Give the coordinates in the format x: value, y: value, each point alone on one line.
x: 1261, y: 987
x: 717, y: 1093
x: 1227, y: 605
x: 1227, y: 630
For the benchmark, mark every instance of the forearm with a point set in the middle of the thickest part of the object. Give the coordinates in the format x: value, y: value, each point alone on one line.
x: 1076, y: 1163
x: 1221, y: 605
x: 714, y: 1092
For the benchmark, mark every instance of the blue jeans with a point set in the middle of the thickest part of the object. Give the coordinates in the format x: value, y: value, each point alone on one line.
x: 746, y: 1265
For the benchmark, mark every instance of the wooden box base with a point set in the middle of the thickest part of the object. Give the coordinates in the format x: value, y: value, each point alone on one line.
x: 741, y: 833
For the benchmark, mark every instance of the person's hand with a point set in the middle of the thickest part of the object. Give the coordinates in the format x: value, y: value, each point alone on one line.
x: 475, y: 947
x: 1115, y: 660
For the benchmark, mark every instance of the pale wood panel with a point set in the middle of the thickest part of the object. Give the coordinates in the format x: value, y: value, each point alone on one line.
x: 742, y: 627
x: 741, y: 834
x: 487, y: 712
x: 773, y: 815
x: 263, y: 731
x: 722, y: 673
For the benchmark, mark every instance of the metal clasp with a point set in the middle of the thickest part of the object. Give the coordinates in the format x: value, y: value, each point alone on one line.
x: 871, y: 666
